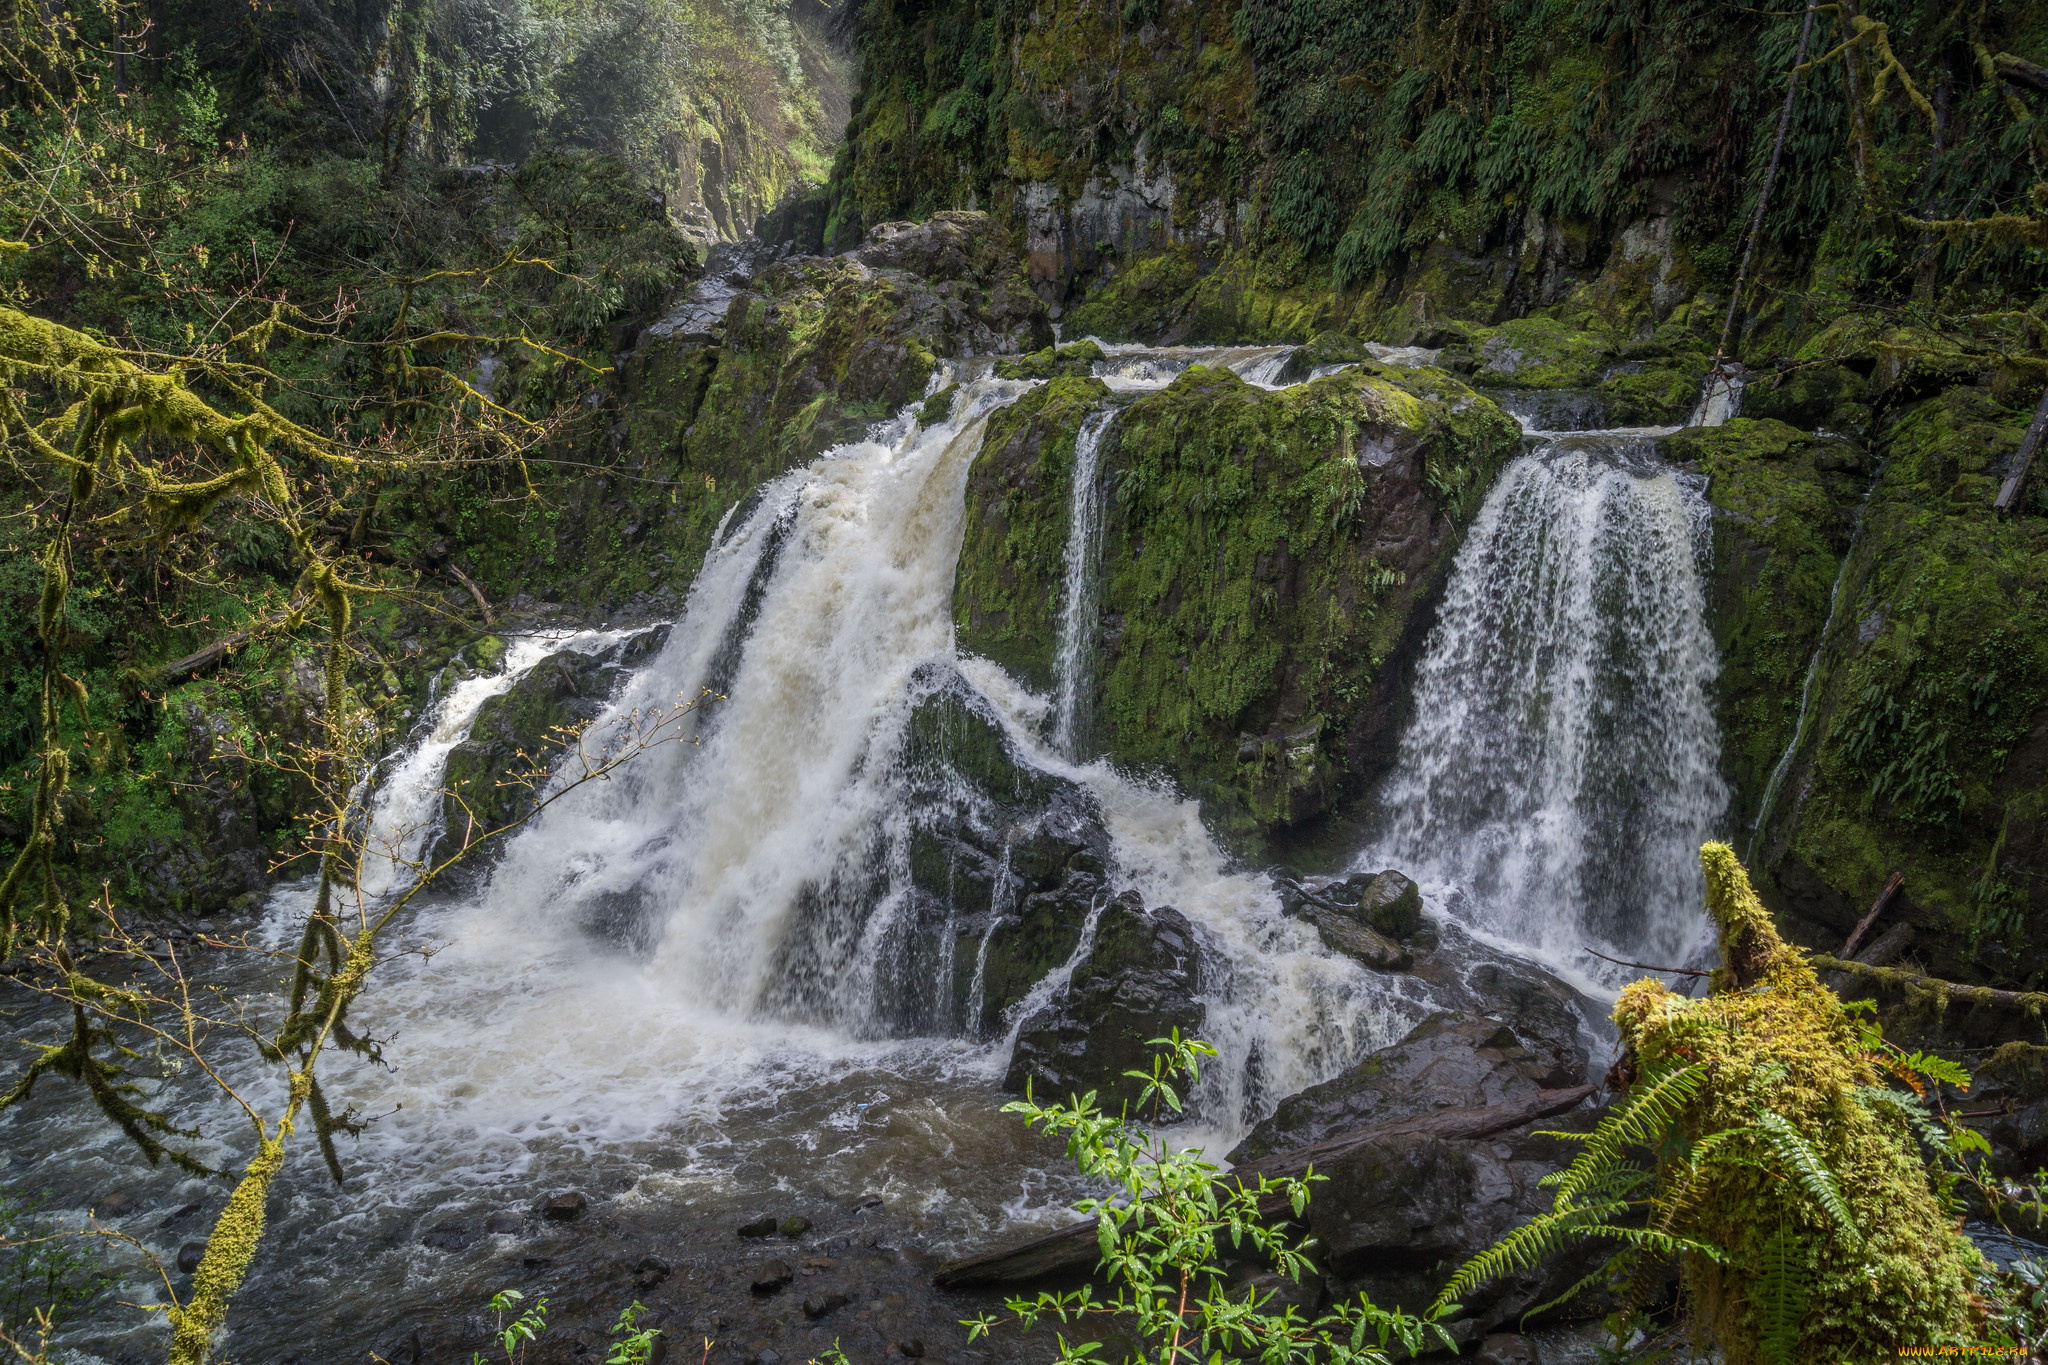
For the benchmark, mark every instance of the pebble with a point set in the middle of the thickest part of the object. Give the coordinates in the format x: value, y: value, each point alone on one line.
x: 760, y: 1225
x: 650, y: 1271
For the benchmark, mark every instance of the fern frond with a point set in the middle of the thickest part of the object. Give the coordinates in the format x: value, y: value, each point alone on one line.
x: 1779, y: 1290
x: 1807, y: 1167
x: 1608, y: 1271
x: 1643, y: 1119
x: 1540, y: 1237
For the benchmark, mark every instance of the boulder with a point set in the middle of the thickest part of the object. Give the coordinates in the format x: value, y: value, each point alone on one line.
x: 189, y: 1257
x: 1448, y: 1061
x: 770, y: 1276
x: 564, y: 1208
x: 1389, y: 901
x: 1140, y: 981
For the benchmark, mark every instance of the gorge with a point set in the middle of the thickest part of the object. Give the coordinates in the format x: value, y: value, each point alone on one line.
x: 1193, y: 525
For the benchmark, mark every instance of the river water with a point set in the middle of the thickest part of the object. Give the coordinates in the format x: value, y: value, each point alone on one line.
x: 668, y: 992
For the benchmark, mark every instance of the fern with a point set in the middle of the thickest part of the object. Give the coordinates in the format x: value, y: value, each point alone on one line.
x: 1807, y: 1167
x: 1541, y: 1237
x: 1778, y: 1288
x: 1643, y: 1120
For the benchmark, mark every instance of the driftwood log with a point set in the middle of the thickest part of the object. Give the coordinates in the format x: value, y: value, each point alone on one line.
x: 2029, y: 1003
x: 1073, y: 1251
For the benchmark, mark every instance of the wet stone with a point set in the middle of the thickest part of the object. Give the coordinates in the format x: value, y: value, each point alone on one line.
x: 504, y: 1221
x: 189, y: 1257
x: 795, y: 1227
x: 818, y: 1305
x: 564, y: 1208
x: 1506, y: 1348
x: 770, y: 1276
x: 762, y: 1225
x: 650, y: 1271
x: 178, y: 1216
x: 913, y: 1348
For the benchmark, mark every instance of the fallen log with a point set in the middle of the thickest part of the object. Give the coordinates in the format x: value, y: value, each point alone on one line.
x: 2029, y: 1003
x: 227, y: 644
x: 1073, y: 1251
x: 2021, y: 72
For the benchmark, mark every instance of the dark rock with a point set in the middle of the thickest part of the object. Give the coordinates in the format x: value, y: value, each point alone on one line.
x: 564, y: 1208
x: 1140, y: 980
x: 760, y: 1225
x: 189, y: 1257
x: 650, y: 1271
x: 764, y: 1356
x: 447, y: 1237
x: 818, y: 1305
x: 770, y: 1276
x: 116, y: 1205
x: 1399, y: 1212
x: 504, y: 1221
x: 172, y: 1220
x: 1389, y: 902
x: 1342, y: 934
x: 913, y: 1348
x: 1448, y: 1061
x: 1506, y: 1348
x: 795, y: 1227
x: 868, y: 1203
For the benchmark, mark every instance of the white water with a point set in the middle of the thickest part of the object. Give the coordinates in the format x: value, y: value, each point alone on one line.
x: 1562, y: 767
x: 1077, y: 603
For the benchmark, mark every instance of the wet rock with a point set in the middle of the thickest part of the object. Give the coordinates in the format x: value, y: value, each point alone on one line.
x: 117, y: 1205
x: 189, y: 1257
x: 1342, y: 934
x: 818, y: 1305
x: 770, y: 1276
x: 178, y: 1216
x: 650, y: 1271
x: 1506, y: 1348
x: 1400, y: 1210
x: 564, y: 1208
x: 760, y: 1225
x: 912, y: 1348
x: 868, y: 1203
x: 795, y: 1227
x: 1388, y: 901
x: 447, y: 1237
x: 1448, y: 1061
x: 1140, y: 981
x: 1076, y: 358
x: 516, y: 734
x: 504, y: 1221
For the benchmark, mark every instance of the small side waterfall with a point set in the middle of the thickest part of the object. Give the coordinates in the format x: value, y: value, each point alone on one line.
x: 1077, y: 606
x: 1562, y: 767
x: 1820, y: 644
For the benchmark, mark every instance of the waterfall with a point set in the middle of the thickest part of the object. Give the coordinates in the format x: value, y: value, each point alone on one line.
x: 1562, y: 766
x: 1077, y: 604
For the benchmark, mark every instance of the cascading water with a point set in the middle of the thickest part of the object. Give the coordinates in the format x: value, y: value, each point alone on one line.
x: 1562, y: 767
x: 680, y: 978
x: 1077, y: 606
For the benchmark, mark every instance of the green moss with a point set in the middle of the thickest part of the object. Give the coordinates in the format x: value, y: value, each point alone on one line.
x: 1655, y: 396
x: 1076, y: 358
x: 1541, y: 353
x: 1931, y: 685
x: 1783, y: 505
x: 1006, y: 599
x: 1773, y: 1038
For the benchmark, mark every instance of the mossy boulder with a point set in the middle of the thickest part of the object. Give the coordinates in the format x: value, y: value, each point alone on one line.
x: 1540, y: 353
x: 1075, y: 359
x: 1267, y: 557
x: 1815, y: 395
x: 1639, y: 394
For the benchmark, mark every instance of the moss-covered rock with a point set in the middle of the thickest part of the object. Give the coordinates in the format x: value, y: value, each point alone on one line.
x: 1784, y: 504
x: 1267, y: 556
x: 1075, y: 359
x: 1541, y: 353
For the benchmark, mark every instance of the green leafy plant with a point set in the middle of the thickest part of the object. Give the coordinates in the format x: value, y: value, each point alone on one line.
x: 1163, y: 1236
x: 49, y: 1274
x: 523, y: 1330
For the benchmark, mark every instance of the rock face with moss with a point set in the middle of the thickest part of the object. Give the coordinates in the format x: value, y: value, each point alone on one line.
x: 1269, y: 558
x: 1925, y: 741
